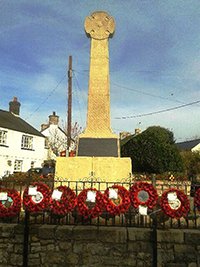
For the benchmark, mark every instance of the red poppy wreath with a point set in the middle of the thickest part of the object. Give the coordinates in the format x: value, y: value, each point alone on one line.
x: 90, y: 203
x: 143, y: 194
x: 62, y: 201
x: 174, y: 203
x: 117, y: 200
x: 10, y: 203
x: 197, y: 199
x: 36, y: 197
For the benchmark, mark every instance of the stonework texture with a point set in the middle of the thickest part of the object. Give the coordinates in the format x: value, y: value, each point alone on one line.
x: 91, y: 246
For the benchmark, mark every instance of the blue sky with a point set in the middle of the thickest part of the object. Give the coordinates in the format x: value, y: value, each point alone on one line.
x: 154, y: 61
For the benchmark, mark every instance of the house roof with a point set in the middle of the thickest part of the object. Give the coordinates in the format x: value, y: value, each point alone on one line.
x: 126, y: 139
x: 60, y: 129
x: 10, y: 121
x: 188, y: 145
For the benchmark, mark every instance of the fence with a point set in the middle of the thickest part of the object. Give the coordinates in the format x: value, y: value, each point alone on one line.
x: 155, y: 218
x: 130, y: 218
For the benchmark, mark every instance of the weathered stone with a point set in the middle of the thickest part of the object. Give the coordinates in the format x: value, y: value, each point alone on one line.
x: 7, y: 230
x: 72, y: 258
x: 80, y: 247
x: 170, y: 236
x: 19, y: 229
x: 34, y: 256
x: 47, y: 242
x: 165, y: 256
x: 10, y: 247
x: 118, y: 250
x: 128, y: 260
x: 64, y: 245
x: 18, y: 248
x: 140, y: 246
x: 33, y: 229
x: 51, y: 247
x: 85, y: 232
x: 89, y: 260
x: 111, y: 261
x: 192, y: 264
x: 35, y: 249
x: 139, y: 234
x: 165, y: 246
x: 53, y: 258
x: 34, y: 238
x: 35, y: 244
x: 18, y: 238
x: 16, y: 259
x: 176, y: 265
x: 47, y: 231
x: 34, y: 262
x: 112, y: 234
x: 192, y: 237
x: 141, y: 263
x: 64, y: 232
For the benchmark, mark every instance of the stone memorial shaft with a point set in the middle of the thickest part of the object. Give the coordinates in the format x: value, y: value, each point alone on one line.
x: 98, y: 139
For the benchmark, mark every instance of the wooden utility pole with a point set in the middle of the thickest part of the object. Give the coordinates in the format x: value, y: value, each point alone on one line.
x: 69, y: 111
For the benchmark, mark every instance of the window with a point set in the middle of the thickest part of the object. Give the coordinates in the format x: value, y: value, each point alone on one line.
x: 3, y: 137
x: 18, y: 165
x: 27, y: 142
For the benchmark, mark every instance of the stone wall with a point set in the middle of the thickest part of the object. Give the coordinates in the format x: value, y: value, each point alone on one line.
x: 85, y: 246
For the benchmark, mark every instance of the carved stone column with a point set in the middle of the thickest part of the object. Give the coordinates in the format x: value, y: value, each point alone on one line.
x: 98, y: 139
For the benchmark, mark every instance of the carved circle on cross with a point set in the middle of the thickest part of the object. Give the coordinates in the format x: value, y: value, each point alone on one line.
x: 99, y: 25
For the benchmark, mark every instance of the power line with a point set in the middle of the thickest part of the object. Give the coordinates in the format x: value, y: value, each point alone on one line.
x: 146, y: 93
x: 48, y: 96
x: 136, y: 90
x: 157, y: 112
x: 77, y: 98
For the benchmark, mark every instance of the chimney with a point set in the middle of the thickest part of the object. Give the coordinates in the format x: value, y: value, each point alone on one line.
x: 53, y: 119
x: 43, y: 127
x: 14, y: 106
x: 137, y: 131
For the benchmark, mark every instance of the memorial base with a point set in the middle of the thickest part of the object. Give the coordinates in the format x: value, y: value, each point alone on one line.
x: 108, y: 169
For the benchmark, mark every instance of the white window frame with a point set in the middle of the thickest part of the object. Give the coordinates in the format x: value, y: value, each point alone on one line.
x: 3, y: 137
x: 18, y: 165
x: 27, y: 142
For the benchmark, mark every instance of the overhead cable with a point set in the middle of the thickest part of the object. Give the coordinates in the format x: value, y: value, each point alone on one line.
x: 47, y: 97
x: 157, y: 112
x: 146, y: 93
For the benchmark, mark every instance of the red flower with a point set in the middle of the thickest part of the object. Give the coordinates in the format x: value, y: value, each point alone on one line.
x: 66, y: 204
x: 197, y: 199
x: 14, y: 203
x: 39, y: 202
x: 84, y: 209
x: 183, y: 205
x: 147, y: 190
x: 123, y: 199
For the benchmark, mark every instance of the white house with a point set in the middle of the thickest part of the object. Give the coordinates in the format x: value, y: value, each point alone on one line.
x: 192, y: 145
x: 56, y: 138
x: 21, y: 145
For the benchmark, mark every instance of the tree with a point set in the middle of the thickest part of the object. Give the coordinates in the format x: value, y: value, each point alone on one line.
x: 153, y: 151
x: 56, y: 141
x: 191, y: 162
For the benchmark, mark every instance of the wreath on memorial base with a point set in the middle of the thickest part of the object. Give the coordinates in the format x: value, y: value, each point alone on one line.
x: 40, y: 201
x: 175, y: 208
x: 12, y: 206
x: 65, y: 204
x: 147, y: 190
x: 90, y: 209
x: 197, y: 199
x: 119, y: 205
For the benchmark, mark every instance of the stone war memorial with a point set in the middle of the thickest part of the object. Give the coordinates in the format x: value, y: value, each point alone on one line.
x: 98, y: 152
